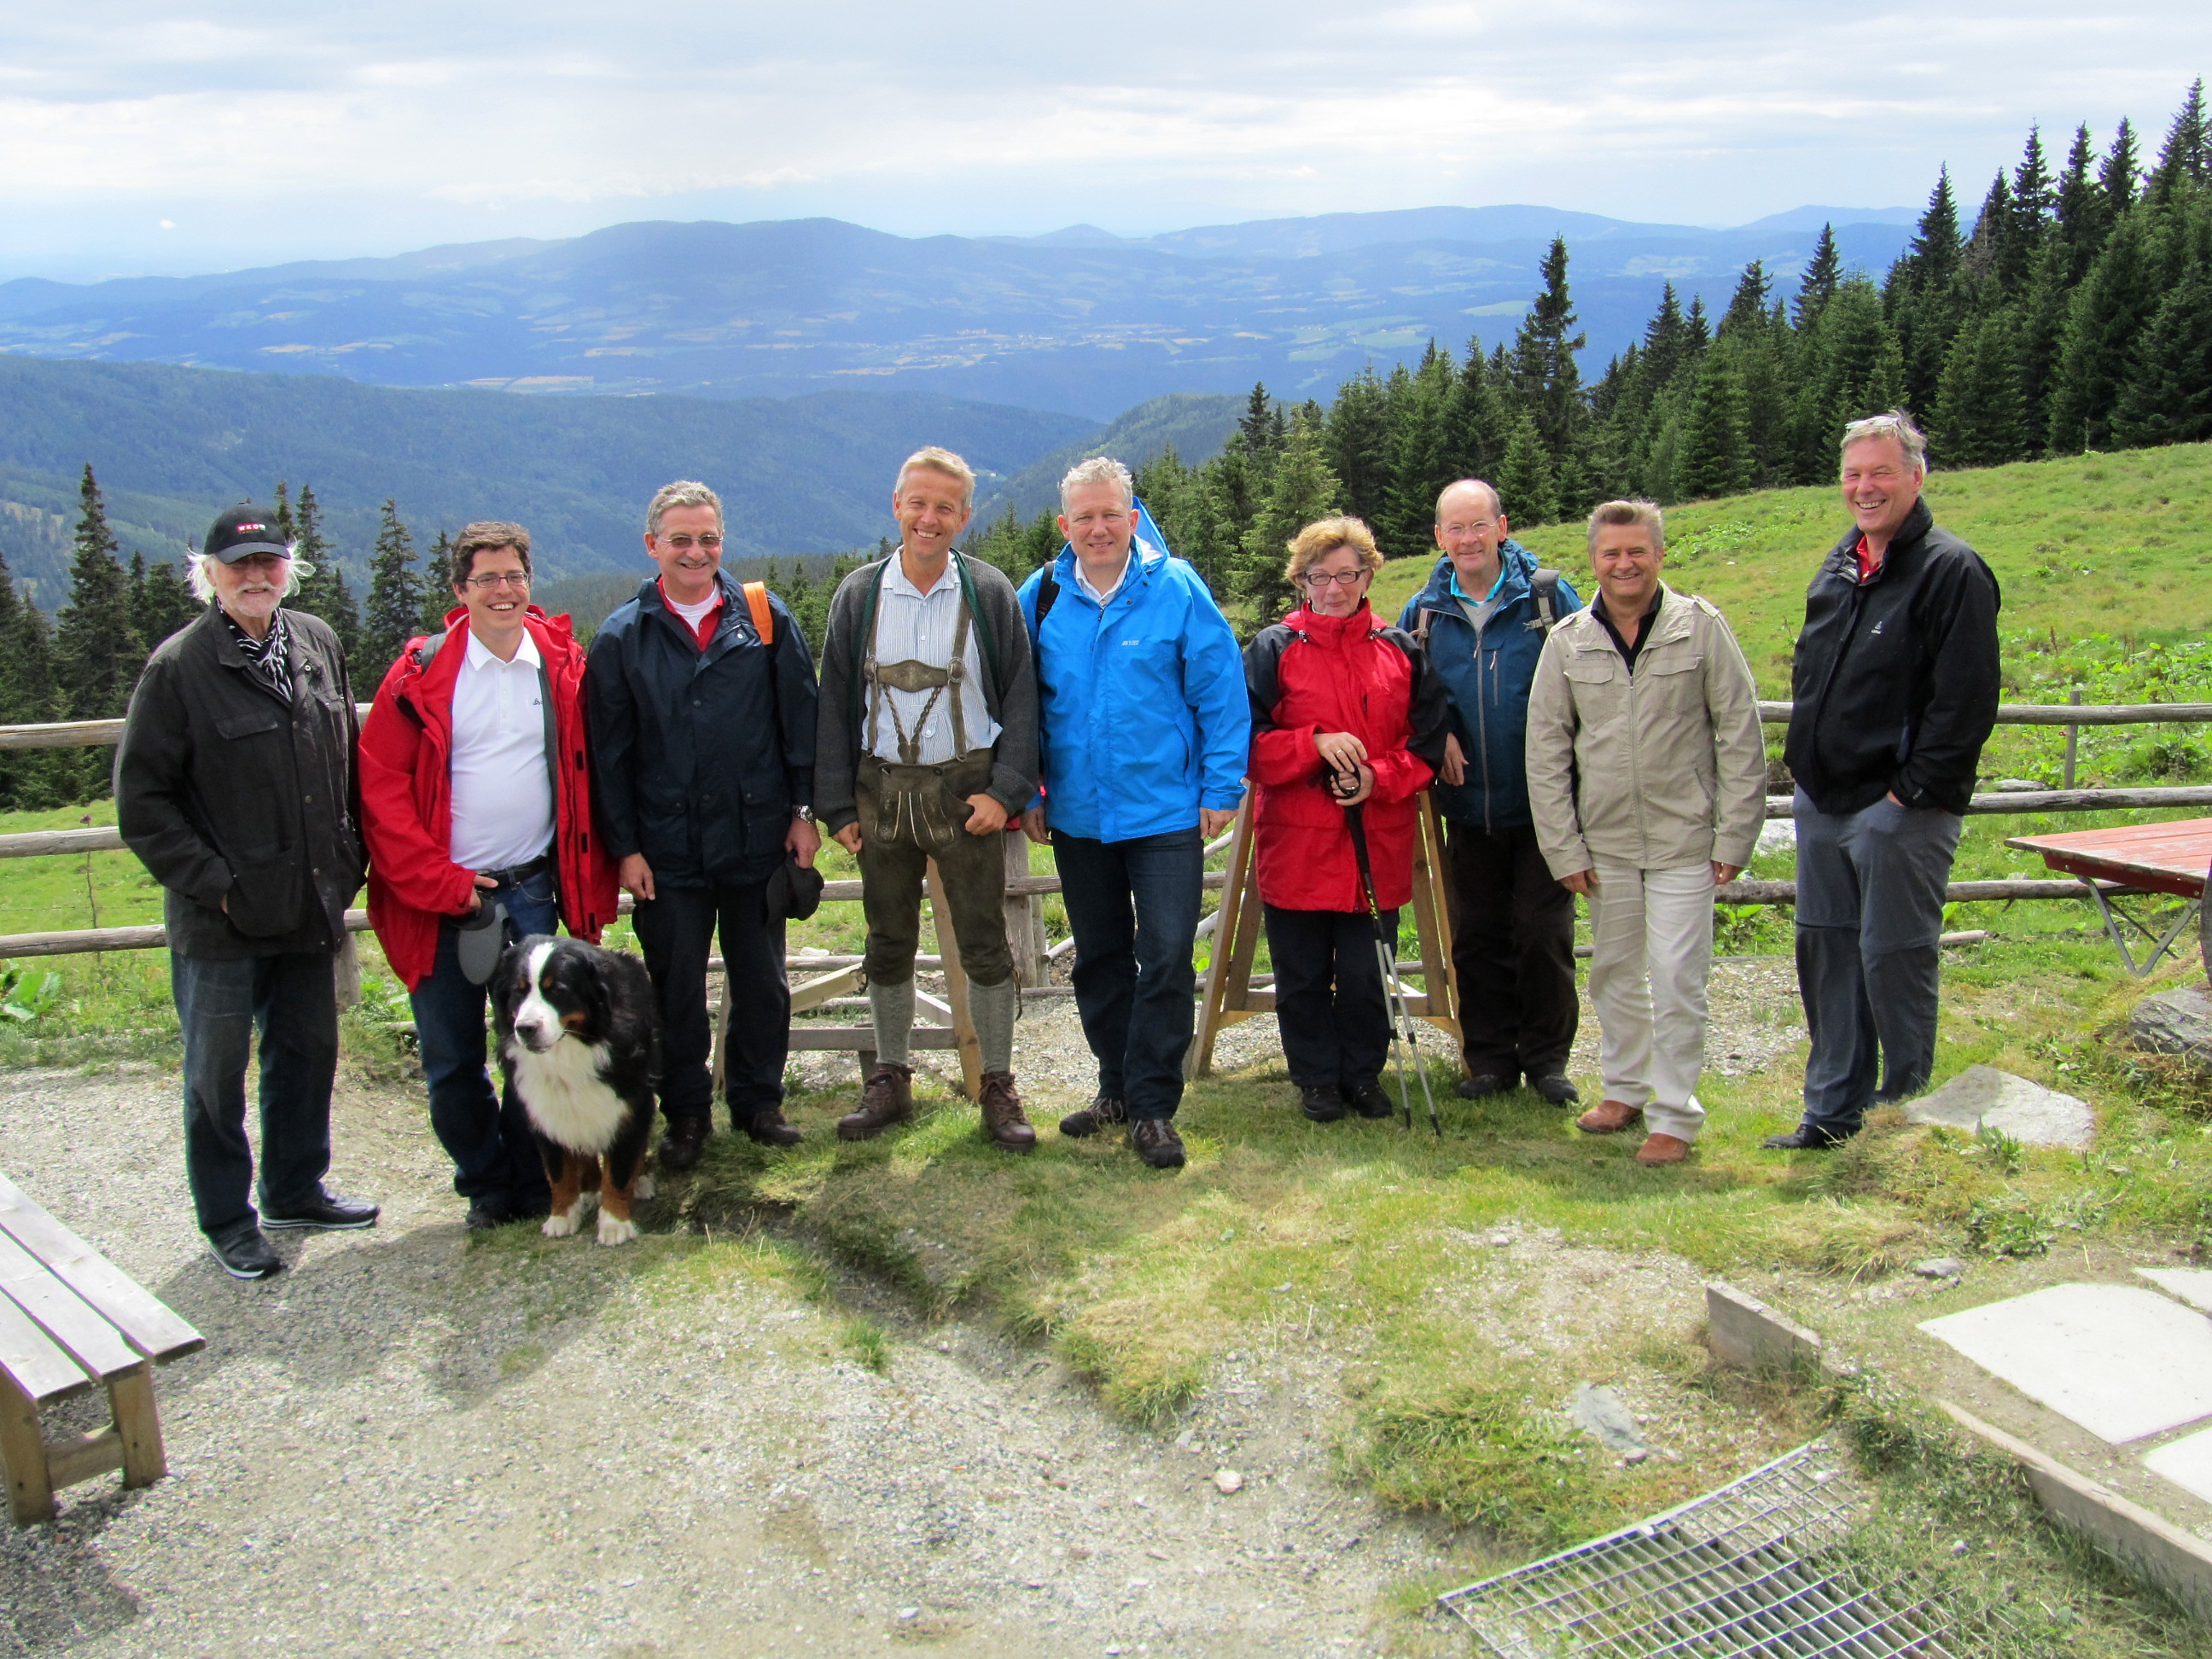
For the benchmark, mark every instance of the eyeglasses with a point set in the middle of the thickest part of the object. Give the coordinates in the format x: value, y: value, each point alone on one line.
x: 500, y: 579
x: 1480, y: 527
x: 1322, y: 579
x: 710, y: 541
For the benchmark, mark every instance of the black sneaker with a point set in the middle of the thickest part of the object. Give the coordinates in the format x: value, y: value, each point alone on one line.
x: 1805, y: 1138
x: 247, y: 1255
x: 1107, y: 1108
x: 1554, y: 1089
x: 1370, y: 1101
x: 1156, y: 1142
x: 329, y: 1213
x: 1322, y: 1103
x: 1483, y: 1083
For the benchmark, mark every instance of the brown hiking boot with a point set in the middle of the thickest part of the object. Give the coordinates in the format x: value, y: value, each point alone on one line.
x: 772, y: 1128
x: 1002, y: 1114
x: 887, y: 1098
x: 1608, y: 1117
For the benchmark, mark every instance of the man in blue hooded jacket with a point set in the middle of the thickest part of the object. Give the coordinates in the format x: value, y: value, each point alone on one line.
x: 1482, y: 618
x: 1144, y: 730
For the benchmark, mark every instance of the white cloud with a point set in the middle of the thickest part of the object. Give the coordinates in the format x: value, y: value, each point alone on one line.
x: 388, y: 124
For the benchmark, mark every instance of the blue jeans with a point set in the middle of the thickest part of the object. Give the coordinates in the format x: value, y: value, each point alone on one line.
x: 488, y: 1136
x: 1132, y: 906
x: 289, y: 1000
x: 1869, y: 913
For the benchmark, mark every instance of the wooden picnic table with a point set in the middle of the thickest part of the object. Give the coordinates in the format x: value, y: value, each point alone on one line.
x: 2132, y: 860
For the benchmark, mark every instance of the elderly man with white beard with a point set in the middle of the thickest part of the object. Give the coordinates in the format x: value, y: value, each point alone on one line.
x: 235, y: 785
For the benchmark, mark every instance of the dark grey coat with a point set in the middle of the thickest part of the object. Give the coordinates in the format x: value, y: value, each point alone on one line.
x: 226, y: 793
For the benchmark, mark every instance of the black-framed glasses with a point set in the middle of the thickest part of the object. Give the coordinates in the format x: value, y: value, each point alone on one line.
x: 681, y: 544
x: 1322, y: 578
x: 499, y: 578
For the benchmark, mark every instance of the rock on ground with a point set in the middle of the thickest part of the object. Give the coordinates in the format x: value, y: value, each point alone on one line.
x: 2029, y: 1112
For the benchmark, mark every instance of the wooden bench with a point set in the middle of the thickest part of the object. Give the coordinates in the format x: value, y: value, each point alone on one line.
x: 2132, y: 860
x: 70, y: 1319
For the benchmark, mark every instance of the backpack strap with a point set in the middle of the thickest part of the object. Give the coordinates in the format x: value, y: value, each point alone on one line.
x: 426, y: 651
x: 1048, y: 594
x: 763, y: 618
x: 1544, y: 589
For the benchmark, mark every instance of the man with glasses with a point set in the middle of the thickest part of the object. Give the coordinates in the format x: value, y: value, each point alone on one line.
x: 701, y: 697
x: 476, y: 805
x: 1483, y: 618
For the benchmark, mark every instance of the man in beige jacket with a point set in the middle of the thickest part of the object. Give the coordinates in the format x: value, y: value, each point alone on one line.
x: 1647, y: 778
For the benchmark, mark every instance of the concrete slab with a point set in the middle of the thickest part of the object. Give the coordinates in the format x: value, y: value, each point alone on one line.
x: 2123, y: 1362
x: 1744, y: 1332
x: 2027, y: 1111
x: 2187, y: 1463
x: 2193, y: 1285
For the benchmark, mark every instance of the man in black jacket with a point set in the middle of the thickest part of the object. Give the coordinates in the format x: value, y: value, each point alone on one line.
x: 234, y: 786
x: 702, y: 763
x: 1893, y: 695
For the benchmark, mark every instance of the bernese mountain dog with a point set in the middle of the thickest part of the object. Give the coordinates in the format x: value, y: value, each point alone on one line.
x: 580, y: 1044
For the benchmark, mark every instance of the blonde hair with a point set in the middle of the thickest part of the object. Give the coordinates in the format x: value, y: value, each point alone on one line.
x: 1099, y: 469
x: 1322, y: 538
x: 1644, y: 513
x: 939, y: 460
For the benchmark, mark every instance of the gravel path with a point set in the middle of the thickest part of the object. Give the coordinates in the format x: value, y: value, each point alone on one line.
x: 407, y: 1445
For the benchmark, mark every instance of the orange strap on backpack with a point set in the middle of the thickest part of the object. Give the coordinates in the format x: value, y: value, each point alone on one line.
x: 763, y: 618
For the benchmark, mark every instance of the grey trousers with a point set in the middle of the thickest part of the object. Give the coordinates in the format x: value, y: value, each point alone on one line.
x: 1870, y: 912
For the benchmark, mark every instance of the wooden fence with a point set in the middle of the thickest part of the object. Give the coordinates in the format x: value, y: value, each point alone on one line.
x: 1033, y: 951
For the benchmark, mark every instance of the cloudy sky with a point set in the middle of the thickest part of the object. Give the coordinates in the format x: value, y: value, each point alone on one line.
x: 185, y: 136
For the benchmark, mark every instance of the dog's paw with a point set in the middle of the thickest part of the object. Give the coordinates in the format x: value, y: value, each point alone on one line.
x: 612, y: 1232
x: 642, y: 1188
x: 560, y: 1226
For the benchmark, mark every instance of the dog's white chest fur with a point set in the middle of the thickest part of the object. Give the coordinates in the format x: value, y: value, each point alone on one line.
x: 566, y: 1097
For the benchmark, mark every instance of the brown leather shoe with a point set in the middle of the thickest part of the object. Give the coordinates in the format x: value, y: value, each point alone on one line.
x: 685, y: 1139
x: 771, y: 1129
x: 1607, y: 1117
x: 1002, y: 1114
x: 887, y: 1098
x: 1662, y: 1149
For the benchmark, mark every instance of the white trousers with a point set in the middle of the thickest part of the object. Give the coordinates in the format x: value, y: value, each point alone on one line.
x: 1651, y: 948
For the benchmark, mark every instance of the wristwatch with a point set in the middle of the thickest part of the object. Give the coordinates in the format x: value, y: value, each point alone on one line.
x: 804, y: 813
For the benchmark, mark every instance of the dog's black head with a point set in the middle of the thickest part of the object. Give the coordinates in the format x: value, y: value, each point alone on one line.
x: 549, y: 989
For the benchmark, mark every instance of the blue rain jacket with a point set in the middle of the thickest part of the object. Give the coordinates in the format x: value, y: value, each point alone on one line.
x: 1142, y: 714
x: 1488, y: 679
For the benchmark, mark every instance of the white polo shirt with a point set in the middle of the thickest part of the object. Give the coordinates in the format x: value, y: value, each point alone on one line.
x: 502, y: 793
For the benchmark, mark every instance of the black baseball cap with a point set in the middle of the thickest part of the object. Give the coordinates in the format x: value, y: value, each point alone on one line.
x: 241, y: 532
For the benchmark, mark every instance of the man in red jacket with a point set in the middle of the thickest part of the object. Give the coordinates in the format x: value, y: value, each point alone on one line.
x: 476, y: 808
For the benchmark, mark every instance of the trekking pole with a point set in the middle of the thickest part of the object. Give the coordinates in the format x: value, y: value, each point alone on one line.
x: 1399, y: 1016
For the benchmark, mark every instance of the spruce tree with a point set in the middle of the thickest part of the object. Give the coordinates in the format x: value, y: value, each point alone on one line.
x: 1817, y: 285
x: 1422, y: 457
x: 30, y: 779
x: 437, y: 585
x: 323, y: 591
x: 2185, y: 161
x: 2121, y: 173
x: 2033, y: 188
x: 2167, y: 395
x: 1747, y: 311
x: 2109, y: 310
x: 1547, y: 384
x: 98, y: 652
x: 1715, y: 457
x: 1474, y: 421
x: 1526, y: 488
x: 161, y: 601
x: 1302, y: 490
x: 1978, y: 420
x: 395, y: 598
x: 1921, y: 297
x: 2081, y: 215
x: 1358, y: 439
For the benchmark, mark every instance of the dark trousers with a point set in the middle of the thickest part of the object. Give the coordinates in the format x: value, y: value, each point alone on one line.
x: 675, y: 930
x: 1869, y: 914
x: 1132, y: 906
x: 487, y: 1135
x: 290, y: 1002
x: 1513, y: 949
x: 1328, y: 995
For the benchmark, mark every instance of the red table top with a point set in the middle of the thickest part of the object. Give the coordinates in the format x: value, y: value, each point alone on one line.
x: 2159, y: 858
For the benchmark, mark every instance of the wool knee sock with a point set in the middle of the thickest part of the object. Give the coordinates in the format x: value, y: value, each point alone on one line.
x: 992, y: 1007
x: 890, y: 1007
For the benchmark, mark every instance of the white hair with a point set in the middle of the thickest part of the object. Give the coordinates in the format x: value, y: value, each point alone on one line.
x: 1099, y: 469
x: 203, y: 589
x: 1897, y: 424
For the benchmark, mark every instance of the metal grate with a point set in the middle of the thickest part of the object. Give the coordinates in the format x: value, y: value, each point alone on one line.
x: 1751, y: 1569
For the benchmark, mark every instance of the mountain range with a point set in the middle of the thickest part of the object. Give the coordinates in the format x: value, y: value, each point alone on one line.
x: 1078, y: 322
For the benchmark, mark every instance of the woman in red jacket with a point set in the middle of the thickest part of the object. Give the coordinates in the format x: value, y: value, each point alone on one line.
x: 1337, y: 694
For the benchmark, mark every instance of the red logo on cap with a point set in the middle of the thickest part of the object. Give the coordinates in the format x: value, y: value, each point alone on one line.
x: 244, y: 528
